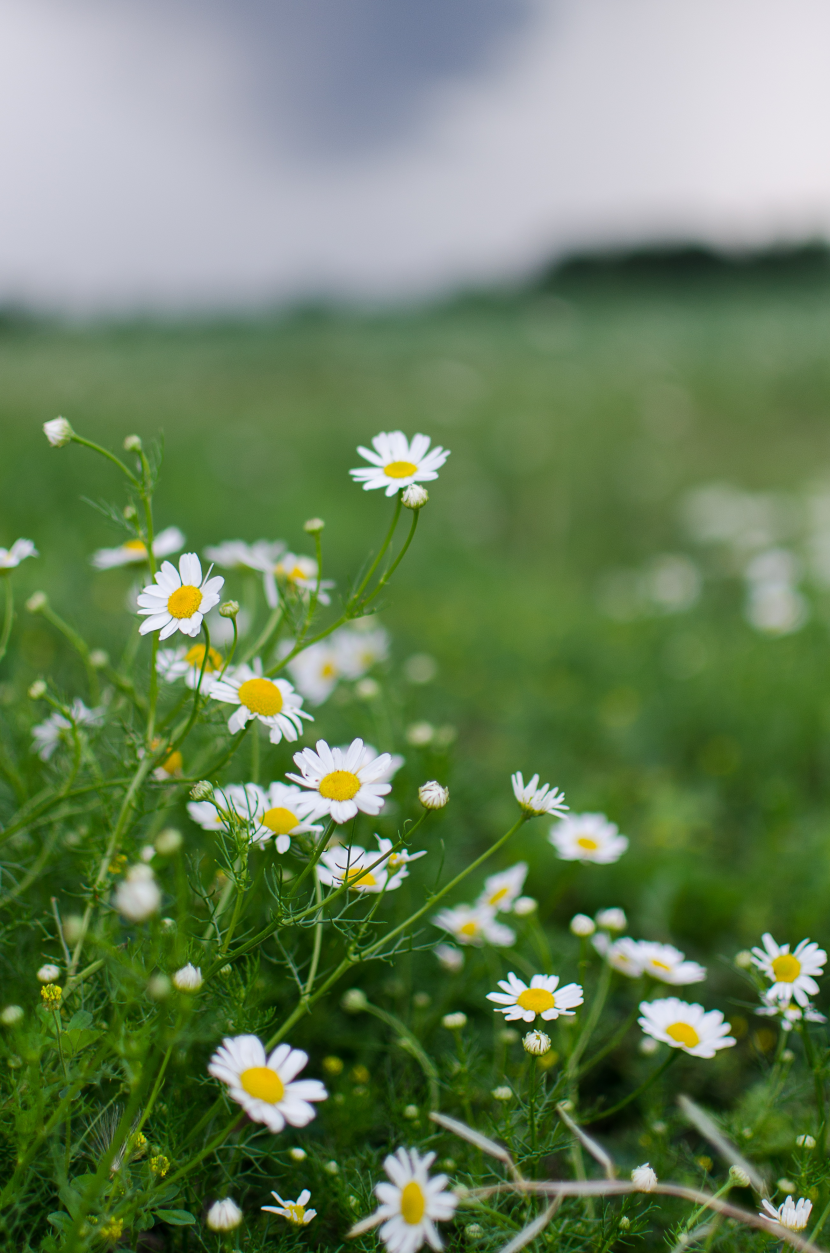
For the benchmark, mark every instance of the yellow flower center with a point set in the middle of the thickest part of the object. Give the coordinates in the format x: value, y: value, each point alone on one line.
x: 399, y: 469
x: 587, y: 843
x: 499, y: 896
x: 683, y: 1034
x: 280, y: 821
x: 294, y: 1213
x: 261, y: 696
x: 136, y: 546
x: 184, y: 602
x: 786, y: 968
x: 340, y: 785
x: 536, y: 999
x: 413, y: 1203
x: 366, y: 880
x: 328, y: 670
x: 468, y: 928
x: 660, y: 965
x: 173, y: 762
x: 195, y: 656
x: 263, y: 1083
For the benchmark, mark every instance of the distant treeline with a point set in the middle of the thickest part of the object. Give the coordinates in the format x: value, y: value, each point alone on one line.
x: 658, y: 264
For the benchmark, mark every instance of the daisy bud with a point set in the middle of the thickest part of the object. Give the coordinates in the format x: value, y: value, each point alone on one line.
x: 50, y: 973
x: 536, y: 1043
x: 502, y: 1094
x: 229, y: 609
x: 58, y: 432
x: 169, y: 841
x: 331, y: 1168
x: 788, y: 1056
x: 644, y: 1178
x: 582, y: 925
x: 433, y: 796
x: 367, y: 689
x: 314, y: 526
x: 73, y: 927
x: 130, y: 512
x: 37, y: 602
x: 454, y: 1022
x: 420, y: 734
x: 202, y: 791
x: 159, y: 987
x: 37, y: 689
x: 450, y: 957
x: 508, y: 1036
x: 422, y: 1000
x: 132, y: 443
x: 168, y: 924
x: 138, y: 895
x: 411, y: 1111
x: 625, y: 1222
x: 11, y: 1015
x: 414, y: 496
x: 188, y: 979
x: 743, y: 960
x: 297, y: 1155
x: 354, y: 1001
x: 147, y: 853
x: 739, y: 1177
x: 648, y: 1046
x: 806, y: 1142
x: 224, y: 1215
x: 98, y: 659
x: 611, y: 920
x: 785, y: 1185
x: 473, y: 1231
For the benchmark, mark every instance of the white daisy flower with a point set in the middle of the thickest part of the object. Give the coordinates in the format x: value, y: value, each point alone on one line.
x: 473, y: 924
x: 686, y: 1027
x: 412, y: 1203
x: 267, y: 1087
x: 791, y: 974
x: 179, y: 599
x: 623, y: 954
x: 273, y: 811
x: 356, y: 865
x: 395, y: 462
x: 345, y: 782
x: 664, y: 962
x: 272, y: 701
x: 298, y: 574
x: 588, y: 837
x: 10, y: 558
x: 235, y: 554
x: 450, y: 957
x: 502, y: 889
x: 792, y: 1215
x: 177, y: 663
x: 360, y: 645
x: 790, y: 1015
x: 315, y: 671
x: 133, y: 551
x: 50, y: 733
x: 538, y: 800
x: 517, y: 1000
x: 294, y: 1211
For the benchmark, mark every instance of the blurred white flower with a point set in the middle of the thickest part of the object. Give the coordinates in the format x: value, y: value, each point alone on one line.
x: 664, y: 962
x: 473, y: 924
x: 133, y: 551
x: 684, y: 1026
x: 455, y: 1021
x: 50, y: 733
x: 623, y: 954
x: 450, y: 957
x: 501, y: 890
x: 611, y: 919
x: 582, y: 925
x: 524, y: 906
x: 186, y: 663
x: 19, y: 551
x: 224, y: 1215
x: 534, y: 799
x: 588, y: 837
x: 137, y: 896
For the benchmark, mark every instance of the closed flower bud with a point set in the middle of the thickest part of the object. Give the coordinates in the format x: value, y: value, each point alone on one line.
x: 415, y: 496
x: 354, y: 1001
x: 49, y: 973
x: 229, y: 609
x: 644, y: 1178
x: 130, y: 513
x: 410, y: 1111
x: 525, y: 905
x: 159, y: 987
x: 739, y: 1177
x: 433, y: 796
x: 331, y: 1168
x: 743, y: 960
x: 73, y: 928
x: 37, y: 689
x: 58, y: 432
x: 11, y: 1015
x: 138, y: 895
x: 454, y: 1022
x: 611, y: 919
x: 98, y: 659
x: 806, y: 1142
x: 297, y: 1154
x: 132, y: 443
x: 502, y: 1093
x: 582, y: 925
x: 314, y: 526
x: 202, y: 791
x: 536, y: 1043
x: 473, y: 1231
x: 188, y: 979
x: 36, y: 602
x: 224, y: 1215
x: 169, y: 841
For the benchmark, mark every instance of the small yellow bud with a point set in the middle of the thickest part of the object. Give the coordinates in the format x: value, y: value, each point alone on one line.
x: 51, y: 994
x: 159, y: 1165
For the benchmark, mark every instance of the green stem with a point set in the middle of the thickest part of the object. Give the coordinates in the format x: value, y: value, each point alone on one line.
x: 591, y: 1021
x: 818, y: 1081
x: 315, y: 857
x: 416, y: 513
x: 413, y: 1046
x: 611, y: 1045
x: 355, y: 596
x: 318, y: 938
x: 267, y: 631
x: 7, y: 619
x: 79, y: 644
x: 104, y: 452
x: 632, y: 1096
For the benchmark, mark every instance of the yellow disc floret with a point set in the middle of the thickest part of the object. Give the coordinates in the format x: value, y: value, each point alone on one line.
x: 537, y: 999
x: 196, y: 655
x: 184, y: 602
x: 280, y: 821
x: 413, y: 1203
x: 399, y: 469
x: 261, y: 696
x: 340, y: 785
x: 587, y: 843
x: 136, y: 546
x: 263, y: 1083
x: 786, y: 968
x: 683, y: 1034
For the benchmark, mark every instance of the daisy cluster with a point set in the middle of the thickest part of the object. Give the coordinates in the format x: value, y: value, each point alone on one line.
x: 791, y: 977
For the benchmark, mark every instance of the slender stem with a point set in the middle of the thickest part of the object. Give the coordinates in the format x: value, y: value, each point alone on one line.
x: 104, y: 452
x: 532, y: 1103
x: 315, y: 857
x: 79, y: 644
x: 413, y: 1046
x: 591, y: 1021
x: 611, y: 1045
x: 818, y: 1080
x: 355, y: 596
x: 318, y: 937
x: 7, y: 619
x: 632, y: 1096
x: 416, y: 513
x: 267, y: 631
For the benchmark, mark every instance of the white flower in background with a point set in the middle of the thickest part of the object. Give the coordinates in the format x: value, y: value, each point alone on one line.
x: 58, y: 432
x: 395, y: 462
x: 672, y: 583
x: 644, y: 1178
x: 315, y: 671
x: 524, y: 906
x: 267, y: 1088
x: 345, y: 783
x: 544, y: 997
x: 537, y: 800
x: 50, y: 733
x: 791, y: 974
x: 360, y: 645
x: 138, y: 896
x: 224, y: 1215
x: 242, y: 799
x: 473, y: 924
x: 664, y: 962
x: 455, y: 1021
x: 49, y: 973
x: 273, y: 702
x: 450, y: 957
x: 792, y: 1215
x: 296, y: 574
x: 188, y: 979
x: 412, y: 1203
x: 177, y: 663
x: 588, y: 837
x: 347, y: 654
x: 235, y: 554
x: 611, y: 919
x: 401, y: 857
x: 11, y: 1015
x: 356, y: 866
x: 536, y: 1043
x: 132, y: 551
x: 791, y: 1015
x: 294, y: 1211
x: 582, y: 925
x: 179, y: 599
x: 280, y: 814
x: 502, y: 889
x: 19, y: 551
x: 623, y: 954
x: 684, y: 1026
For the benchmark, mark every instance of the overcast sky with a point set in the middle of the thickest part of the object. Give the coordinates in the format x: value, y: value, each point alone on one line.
x: 175, y: 154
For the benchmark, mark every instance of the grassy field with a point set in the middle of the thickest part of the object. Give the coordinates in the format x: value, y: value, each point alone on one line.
x: 577, y: 417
